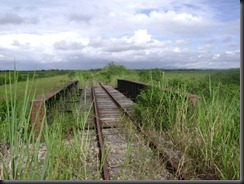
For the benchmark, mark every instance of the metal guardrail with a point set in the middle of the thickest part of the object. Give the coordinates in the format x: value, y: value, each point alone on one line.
x: 39, y: 104
x: 132, y: 89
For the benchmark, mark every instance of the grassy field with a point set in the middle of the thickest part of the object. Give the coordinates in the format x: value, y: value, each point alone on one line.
x: 175, y: 74
x: 207, y: 134
x: 36, y: 87
x: 24, y: 75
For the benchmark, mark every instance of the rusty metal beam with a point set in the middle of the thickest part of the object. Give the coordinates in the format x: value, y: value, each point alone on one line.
x: 105, y: 171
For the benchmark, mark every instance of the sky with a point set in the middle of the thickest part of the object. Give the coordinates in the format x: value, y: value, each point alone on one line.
x: 139, y: 34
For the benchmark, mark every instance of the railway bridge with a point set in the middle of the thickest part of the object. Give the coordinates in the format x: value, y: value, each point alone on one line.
x: 114, y: 140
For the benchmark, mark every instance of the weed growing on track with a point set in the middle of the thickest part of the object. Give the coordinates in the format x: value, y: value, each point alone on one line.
x: 141, y: 162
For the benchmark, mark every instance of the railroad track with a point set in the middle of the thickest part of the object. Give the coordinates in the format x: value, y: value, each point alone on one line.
x: 114, y: 141
x: 113, y: 144
x: 118, y: 146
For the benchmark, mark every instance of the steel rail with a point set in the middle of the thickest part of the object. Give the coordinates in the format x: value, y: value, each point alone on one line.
x: 171, y: 165
x: 105, y: 170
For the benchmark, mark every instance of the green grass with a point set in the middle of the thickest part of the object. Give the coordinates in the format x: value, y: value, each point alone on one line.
x: 24, y: 75
x: 208, y: 132
x: 187, y: 75
x: 36, y: 87
x: 156, y: 75
x: 60, y: 160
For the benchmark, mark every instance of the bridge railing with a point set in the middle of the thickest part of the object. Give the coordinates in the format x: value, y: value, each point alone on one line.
x: 132, y: 89
x: 41, y: 103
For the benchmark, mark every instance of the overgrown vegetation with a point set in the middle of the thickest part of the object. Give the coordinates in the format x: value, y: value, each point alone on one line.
x: 209, y: 132
x: 109, y: 75
x: 46, y: 155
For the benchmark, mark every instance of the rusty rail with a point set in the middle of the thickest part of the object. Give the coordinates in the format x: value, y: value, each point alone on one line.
x: 132, y: 89
x: 39, y: 104
x: 171, y: 165
x: 105, y: 171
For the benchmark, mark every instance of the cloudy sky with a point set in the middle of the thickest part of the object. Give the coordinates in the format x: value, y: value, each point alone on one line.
x: 85, y: 34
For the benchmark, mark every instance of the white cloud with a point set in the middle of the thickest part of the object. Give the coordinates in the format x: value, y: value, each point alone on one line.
x: 216, y: 56
x: 154, y: 33
x: 140, y: 40
x: 63, y: 45
x: 181, y: 42
x: 141, y: 36
x: 178, y: 18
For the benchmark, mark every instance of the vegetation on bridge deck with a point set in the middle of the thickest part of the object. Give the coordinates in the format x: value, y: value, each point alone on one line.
x: 209, y: 133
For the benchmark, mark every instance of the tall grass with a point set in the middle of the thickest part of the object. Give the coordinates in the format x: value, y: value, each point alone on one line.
x: 208, y: 132
x: 47, y: 156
